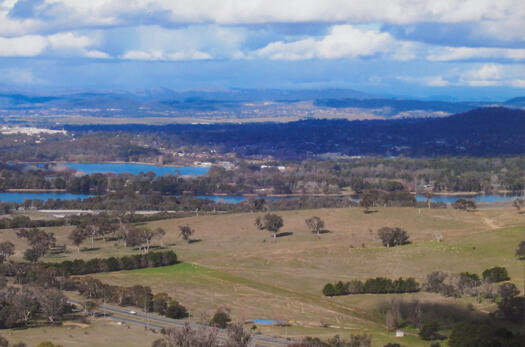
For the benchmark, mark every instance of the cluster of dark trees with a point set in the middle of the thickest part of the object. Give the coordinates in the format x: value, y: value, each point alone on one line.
x: 20, y: 307
x: 378, y: 285
x: 95, y: 265
x: 137, y: 295
x: 464, y: 204
x: 40, y: 243
x: 467, y: 334
x: 25, y: 222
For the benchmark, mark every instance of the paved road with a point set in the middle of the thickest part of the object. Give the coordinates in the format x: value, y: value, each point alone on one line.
x: 157, y: 322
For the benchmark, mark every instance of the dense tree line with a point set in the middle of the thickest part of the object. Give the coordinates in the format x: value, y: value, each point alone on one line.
x: 379, y: 285
x: 137, y: 295
x: 95, y: 265
x: 306, y: 177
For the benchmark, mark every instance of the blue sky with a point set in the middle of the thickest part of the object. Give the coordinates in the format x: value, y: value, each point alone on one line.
x: 470, y: 49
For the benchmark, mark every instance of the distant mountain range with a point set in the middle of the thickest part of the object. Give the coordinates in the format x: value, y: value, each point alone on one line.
x: 159, y: 102
x: 489, y: 131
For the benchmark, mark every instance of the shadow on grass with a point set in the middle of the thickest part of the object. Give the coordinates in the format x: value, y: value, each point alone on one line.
x: 194, y: 240
x: 370, y: 211
x: 91, y: 249
x: 287, y: 233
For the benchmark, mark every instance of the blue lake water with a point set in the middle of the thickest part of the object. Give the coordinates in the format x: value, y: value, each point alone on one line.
x: 135, y: 169
x: 20, y: 197
x: 448, y: 199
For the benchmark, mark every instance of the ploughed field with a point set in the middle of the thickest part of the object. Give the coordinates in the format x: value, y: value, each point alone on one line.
x: 233, y: 264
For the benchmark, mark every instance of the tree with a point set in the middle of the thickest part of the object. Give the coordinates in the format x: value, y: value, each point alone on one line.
x: 329, y: 290
x: 518, y: 203
x: 315, y: 224
x: 39, y: 240
x: 176, y: 310
x: 7, y: 249
x: 221, y: 318
x: 464, y: 204
x: 189, y: 337
x: 366, y: 200
x: 495, y: 274
x: 160, y: 303
x: 237, y: 337
x: 90, y: 306
x: 270, y: 222
x: 468, y: 334
x: 185, y: 232
x: 430, y: 331
x: 52, y: 304
x: 77, y: 236
x: 393, y: 236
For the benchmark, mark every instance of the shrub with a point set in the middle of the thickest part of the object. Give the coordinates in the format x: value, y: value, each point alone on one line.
x: 393, y: 236
x: 220, y: 319
x: 176, y: 310
x: 496, y: 274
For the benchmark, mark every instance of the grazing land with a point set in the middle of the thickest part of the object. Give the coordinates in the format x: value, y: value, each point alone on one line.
x: 232, y: 264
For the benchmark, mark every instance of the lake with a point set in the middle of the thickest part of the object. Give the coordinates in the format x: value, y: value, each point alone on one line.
x: 449, y: 199
x: 21, y: 196
x: 233, y: 199
x: 135, y: 169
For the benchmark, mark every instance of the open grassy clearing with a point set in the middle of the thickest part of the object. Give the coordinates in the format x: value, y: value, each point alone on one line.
x: 243, y: 269
x: 236, y: 266
x: 100, y: 332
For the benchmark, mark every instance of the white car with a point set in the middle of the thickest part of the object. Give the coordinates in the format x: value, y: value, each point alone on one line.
x: 132, y: 312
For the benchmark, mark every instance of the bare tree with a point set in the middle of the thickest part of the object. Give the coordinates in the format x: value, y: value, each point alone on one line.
x: 189, y: 337
x: 7, y: 249
x: 77, y: 236
x: 185, y: 232
x: 237, y: 337
x: 518, y: 203
x: 52, y: 304
x: 315, y: 224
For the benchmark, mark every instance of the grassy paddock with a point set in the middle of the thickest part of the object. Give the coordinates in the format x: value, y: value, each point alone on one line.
x: 236, y: 266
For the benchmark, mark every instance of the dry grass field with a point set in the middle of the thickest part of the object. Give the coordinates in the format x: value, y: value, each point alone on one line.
x: 234, y: 265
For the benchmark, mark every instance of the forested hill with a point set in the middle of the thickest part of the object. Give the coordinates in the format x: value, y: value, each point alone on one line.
x: 481, y: 132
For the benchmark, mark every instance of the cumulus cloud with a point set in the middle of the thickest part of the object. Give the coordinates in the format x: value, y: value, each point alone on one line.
x: 342, y: 41
x: 489, y: 75
x: 35, y: 45
x: 23, y: 46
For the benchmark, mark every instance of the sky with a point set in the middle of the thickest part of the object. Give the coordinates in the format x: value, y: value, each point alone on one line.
x: 454, y: 49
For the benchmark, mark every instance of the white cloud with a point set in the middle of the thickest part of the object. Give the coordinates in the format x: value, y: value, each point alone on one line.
x: 488, y: 75
x: 35, y: 45
x: 343, y: 41
x: 466, y: 53
x: 160, y: 55
x: 96, y: 54
x: 23, y: 46
x: 435, y: 81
